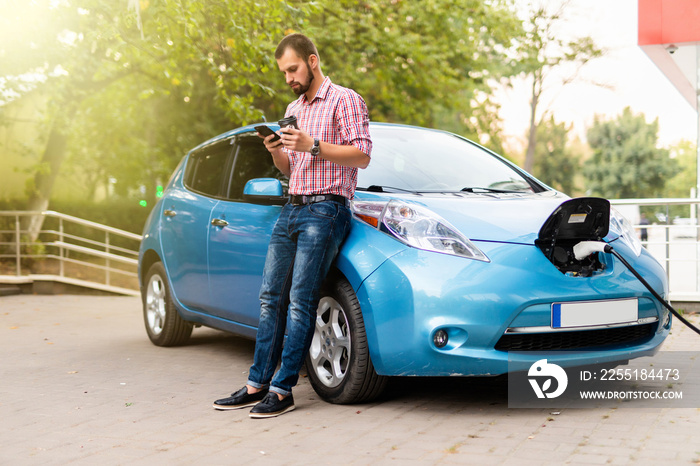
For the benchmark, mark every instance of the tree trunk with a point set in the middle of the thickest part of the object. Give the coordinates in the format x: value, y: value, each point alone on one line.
x: 532, y: 135
x: 55, y: 150
x: 44, y: 179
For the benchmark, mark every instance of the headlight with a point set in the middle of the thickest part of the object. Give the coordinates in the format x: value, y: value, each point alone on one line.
x: 418, y: 227
x: 619, y: 225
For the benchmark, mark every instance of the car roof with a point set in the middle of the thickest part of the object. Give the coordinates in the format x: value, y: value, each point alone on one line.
x: 275, y: 126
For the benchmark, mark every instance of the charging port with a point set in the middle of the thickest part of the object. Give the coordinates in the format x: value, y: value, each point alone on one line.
x: 576, y: 220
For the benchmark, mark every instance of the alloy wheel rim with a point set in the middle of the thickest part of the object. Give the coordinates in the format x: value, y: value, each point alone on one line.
x: 155, y: 304
x: 331, y: 346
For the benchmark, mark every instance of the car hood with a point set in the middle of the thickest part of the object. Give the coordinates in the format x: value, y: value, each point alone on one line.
x: 508, y: 218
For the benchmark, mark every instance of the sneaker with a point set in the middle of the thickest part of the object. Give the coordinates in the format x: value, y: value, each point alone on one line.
x: 240, y: 399
x: 272, y: 406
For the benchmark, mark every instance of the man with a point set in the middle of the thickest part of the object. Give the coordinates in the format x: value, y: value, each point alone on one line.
x: 644, y: 233
x: 321, y: 159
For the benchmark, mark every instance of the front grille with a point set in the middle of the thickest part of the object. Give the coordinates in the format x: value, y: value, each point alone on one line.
x: 590, y: 339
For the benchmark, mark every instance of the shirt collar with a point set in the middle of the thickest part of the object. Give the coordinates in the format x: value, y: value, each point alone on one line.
x: 322, y: 91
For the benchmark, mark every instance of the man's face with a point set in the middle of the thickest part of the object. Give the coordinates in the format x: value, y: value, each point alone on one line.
x: 297, y: 72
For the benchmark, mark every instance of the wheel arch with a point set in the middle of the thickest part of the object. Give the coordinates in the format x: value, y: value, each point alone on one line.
x: 368, y: 317
x: 366, y: 250
x: 164, y: 324
x: 148, y: 258
x: 370, y: 385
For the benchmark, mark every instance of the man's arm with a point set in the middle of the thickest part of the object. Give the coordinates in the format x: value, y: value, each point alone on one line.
x: 347, y: 156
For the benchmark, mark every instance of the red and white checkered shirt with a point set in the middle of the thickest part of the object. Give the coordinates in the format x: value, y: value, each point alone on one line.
x: 336, y: 115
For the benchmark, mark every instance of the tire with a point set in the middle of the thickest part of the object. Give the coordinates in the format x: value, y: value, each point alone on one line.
x: 164, y: 325
x: 338, y: 363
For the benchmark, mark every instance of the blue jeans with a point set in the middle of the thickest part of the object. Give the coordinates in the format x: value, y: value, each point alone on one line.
x: 304, y: 244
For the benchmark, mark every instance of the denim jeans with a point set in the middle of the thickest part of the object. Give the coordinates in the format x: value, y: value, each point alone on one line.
x: 304, y: 244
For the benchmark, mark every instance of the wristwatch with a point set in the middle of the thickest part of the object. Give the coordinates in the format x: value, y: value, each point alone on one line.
x: 316, y: 149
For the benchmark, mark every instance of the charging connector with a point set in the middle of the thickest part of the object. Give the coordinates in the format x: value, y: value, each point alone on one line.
x: 586, y: 248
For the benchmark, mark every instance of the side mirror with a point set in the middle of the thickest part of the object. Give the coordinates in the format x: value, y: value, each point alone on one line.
x: 266, y: 191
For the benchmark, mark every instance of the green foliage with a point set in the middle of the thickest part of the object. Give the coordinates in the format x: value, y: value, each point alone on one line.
x: 420, y: 63
x: 679, y: 186
x: 133, y: 85
x: 199, y: 68
x: 130, y: 102
x: 556, y: 163
x: 626, y: 161
x: 686, y: 156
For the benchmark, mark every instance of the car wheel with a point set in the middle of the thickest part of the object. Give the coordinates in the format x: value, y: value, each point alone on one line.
x: 164, y: 325
x: 338, y: 362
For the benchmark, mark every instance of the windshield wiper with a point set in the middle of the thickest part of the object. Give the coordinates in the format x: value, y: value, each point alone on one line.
x: 382, y: 189
x: 475, y: 189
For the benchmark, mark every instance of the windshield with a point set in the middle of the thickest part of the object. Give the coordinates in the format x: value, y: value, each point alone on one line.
x: 420, y: 160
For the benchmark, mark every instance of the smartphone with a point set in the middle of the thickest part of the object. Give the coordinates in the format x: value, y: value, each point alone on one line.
x: 266, y: 131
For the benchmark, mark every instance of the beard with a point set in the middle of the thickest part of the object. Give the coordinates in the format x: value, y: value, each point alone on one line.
x: 303, y: 88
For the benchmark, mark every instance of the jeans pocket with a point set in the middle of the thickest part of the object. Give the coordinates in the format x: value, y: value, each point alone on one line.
x: 325, y: 209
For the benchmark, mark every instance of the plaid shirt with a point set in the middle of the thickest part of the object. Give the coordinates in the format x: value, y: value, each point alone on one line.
x: 336, y: 115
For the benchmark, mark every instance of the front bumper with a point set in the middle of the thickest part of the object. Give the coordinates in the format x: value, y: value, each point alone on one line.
x: 415, y: 293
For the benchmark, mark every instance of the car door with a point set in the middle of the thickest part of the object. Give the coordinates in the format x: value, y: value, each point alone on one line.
x: 186, y: 222
x: 239, y: 236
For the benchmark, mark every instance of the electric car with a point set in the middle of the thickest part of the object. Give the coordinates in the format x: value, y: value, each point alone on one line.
x: 455, y: 260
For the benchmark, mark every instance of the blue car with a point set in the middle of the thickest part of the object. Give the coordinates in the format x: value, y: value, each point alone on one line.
x: 456, y: 259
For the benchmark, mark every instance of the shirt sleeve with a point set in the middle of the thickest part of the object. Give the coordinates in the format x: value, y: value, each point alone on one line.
x: 353, y: 122
x: 290, y: 111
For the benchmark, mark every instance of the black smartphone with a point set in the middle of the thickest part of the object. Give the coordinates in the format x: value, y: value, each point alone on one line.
x: 266, y: 131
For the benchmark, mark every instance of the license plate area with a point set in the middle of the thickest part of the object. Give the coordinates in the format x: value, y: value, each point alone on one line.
x: 594, y: 313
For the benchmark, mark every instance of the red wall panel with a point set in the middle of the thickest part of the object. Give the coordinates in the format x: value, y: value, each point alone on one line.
x: 668, y: 21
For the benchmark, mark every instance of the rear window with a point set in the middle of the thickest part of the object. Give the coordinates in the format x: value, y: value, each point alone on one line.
x: 207, y: 167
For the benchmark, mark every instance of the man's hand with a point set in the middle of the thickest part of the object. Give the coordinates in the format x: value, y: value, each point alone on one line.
x: 296, y: 139
x: 269, y: 145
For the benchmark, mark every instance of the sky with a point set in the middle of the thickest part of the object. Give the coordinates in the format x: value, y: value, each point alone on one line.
x: 630, y: 78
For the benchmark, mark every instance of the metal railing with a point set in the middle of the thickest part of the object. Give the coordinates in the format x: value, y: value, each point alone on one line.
x: 74, y: 250
x: 111, y: 255
x: 674, y: 242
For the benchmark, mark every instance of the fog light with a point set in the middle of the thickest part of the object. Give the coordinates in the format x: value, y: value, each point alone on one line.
x: 440, y: 338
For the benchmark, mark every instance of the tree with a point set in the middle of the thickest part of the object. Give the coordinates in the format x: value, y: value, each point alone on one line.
x: 542, y: 52
x: 40, y: 43
x: 626, y: 161
x: 426, y: 63
x: 208, y: 59
x: 133, y: 85
x: 556, y: 163
x: 684, y: 182
x: 686, y: 157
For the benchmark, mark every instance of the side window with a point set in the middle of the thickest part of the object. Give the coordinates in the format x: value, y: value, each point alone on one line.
x: 252, y: 160
x: 206, y: 168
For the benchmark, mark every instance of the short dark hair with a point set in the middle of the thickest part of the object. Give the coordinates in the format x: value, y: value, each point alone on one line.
x: 302, y: 45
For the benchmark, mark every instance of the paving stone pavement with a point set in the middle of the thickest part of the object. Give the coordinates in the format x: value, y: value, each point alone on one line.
x: 80, y: 383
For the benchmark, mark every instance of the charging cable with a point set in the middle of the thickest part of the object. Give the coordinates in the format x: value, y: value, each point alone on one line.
x: 586, y: 248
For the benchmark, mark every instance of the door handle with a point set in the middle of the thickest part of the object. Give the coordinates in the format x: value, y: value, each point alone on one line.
x: 169, y: 213
x: 217, y: 222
